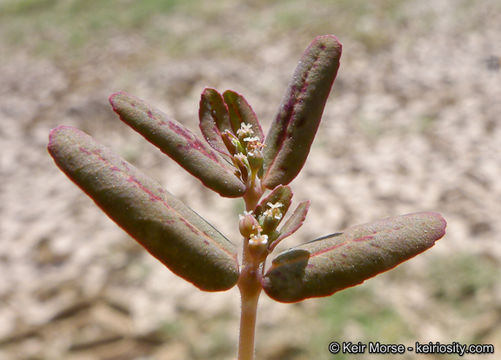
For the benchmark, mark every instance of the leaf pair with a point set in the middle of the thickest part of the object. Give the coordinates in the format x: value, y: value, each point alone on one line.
x: 178, y: 142
x: 221, y: 117
x: 219, y: 113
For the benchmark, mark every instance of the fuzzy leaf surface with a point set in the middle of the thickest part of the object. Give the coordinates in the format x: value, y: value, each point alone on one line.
x: 281, y: 194
x: 334, y: 262
x: 241, y: 112
x: 293, y: 223
x: 291, y: 134
x: 178, y: 142
x: 166, y: 227
x: 214, y: 118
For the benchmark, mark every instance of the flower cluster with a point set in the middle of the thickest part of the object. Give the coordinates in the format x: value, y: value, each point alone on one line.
x: 260, y: 229
x: 246, y: 150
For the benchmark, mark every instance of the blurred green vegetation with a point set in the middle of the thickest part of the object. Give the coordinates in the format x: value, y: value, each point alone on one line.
x: 475, y: 278
x: 358, y: 312
x: 66, y: 29
x: 357, y: 305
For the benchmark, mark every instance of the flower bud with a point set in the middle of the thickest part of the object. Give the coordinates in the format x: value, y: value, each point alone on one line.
x: 248, y: 224
x: 271, y: 217
x: 258, y: 247
x: 242, y: 164
x: 231, y: 142
x: 255, y: 159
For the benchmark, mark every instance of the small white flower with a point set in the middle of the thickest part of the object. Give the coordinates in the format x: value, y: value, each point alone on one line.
x: 241, y: 216
x: 274, y: 210
x: 251, y: 139
x: 256, y: 240
x: 275, y: 205
x: 245, y: 130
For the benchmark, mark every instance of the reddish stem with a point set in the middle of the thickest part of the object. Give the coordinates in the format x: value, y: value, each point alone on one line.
x: 249, y: 284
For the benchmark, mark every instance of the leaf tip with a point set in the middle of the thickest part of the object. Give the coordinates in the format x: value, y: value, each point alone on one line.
x: 328, y: 39
x: 437, y: 223
x: 55, y: 133
x: 112, y: 97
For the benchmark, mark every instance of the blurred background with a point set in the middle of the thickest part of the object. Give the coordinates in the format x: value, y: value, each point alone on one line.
x: 413, y: 123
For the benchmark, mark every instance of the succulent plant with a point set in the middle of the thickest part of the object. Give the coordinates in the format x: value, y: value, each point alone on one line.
x: 237, y: 160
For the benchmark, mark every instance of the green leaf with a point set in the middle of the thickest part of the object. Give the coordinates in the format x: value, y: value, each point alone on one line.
x: 281, y: 194
x: 241, y: 112
x: 291, y: 134
x: 166, y: 227
x: 293, y: 223
x: 281, y: 197
x: 178, y: 142
x: 214, y: 118
x: 334, y: 262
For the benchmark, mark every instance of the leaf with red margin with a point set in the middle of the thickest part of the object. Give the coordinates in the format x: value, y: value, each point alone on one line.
x: 172, y: 232
x: 214, y: 119
x: 293, y: 223
x: 178, y: 142
x: 335, y: 262
x: 241, y: 112
x: 282, y: 194
x: 291, y: 134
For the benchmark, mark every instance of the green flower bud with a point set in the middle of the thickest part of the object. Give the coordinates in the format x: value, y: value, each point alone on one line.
x: 248, y: 224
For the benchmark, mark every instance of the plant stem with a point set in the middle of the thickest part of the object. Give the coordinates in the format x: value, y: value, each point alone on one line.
x: 253, y: 194
x: 249, y: 282
x: 250, y: 288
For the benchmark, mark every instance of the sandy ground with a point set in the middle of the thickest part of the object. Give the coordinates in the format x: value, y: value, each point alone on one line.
x: 415, y: 127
